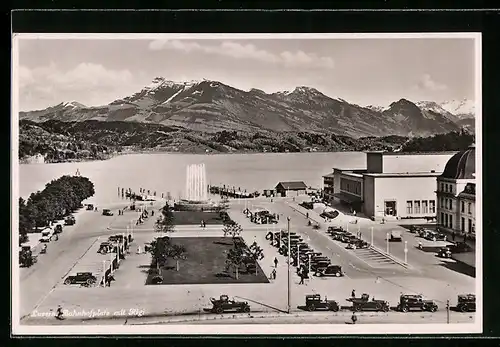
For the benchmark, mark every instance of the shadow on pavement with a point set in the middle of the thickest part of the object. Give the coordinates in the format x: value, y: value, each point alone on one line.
x: 460, y: 267
x: 262, y: 304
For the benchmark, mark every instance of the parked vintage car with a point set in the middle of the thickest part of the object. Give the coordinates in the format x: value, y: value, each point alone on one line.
x: 332, y: 229
x: 317, y: 265
x: 444, y: 252
x: 70, y: 220
x: 85, y: 279
x: 424, y: 232
x: 107, y: 212
x: 414, y: 229
x: 408, y: 302
x: 365, y: 304
x: 435, y: 236
x: 314, y: 303
x: 329, y: 271
x: 395, y: 236
x: 90, y: 207
x: 106, y: 247
x: 347, y: 237
x: 223, y: 304
x: 466, y: 303
x: 357, y: 244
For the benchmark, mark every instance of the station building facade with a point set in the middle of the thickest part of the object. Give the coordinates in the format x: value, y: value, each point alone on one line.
x: 392, y: 186
x: 456, y: 193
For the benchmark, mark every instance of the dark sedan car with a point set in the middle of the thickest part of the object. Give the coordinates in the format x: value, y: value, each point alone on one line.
x: 435, y: 236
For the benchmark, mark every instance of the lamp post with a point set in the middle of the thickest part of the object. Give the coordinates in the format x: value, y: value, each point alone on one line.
x: 347, y: 226
x: 406, y: 252
x: 104, y: 272
x: 288, y: 269
x: 309, y: 264
x: 371, y: 244
x: 387, y: 242
x: 298, y: 256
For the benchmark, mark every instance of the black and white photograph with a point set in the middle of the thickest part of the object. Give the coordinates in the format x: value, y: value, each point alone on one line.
x: 246, y: 184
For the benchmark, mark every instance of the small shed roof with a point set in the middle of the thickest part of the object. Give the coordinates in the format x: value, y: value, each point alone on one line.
x: 292, y: 185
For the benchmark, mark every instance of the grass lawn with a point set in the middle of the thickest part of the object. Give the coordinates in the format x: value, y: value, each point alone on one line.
x: 195, y: 218
x: 205, y: 259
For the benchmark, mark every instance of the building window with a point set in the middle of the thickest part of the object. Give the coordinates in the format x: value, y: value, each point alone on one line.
x: 446, y: 220
x: 462, y: 225
x: 446, y: 203
x: 432, y: 206
x: 425, y: 206
x: 462, y: 206
x: 442, y: 187
x: 470, y: 225
x: 451, y: 204
x: 446, y: 188
x: 451, y: 221
x: 469, y: 208
x: 442, y: 219
x: 417, y: 207
x: 409, y: 207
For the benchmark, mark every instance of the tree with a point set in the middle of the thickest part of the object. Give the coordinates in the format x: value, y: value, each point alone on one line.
x: 233, y: 229
x: 165, y: 222
x: 25, y: 222
x: 162, y: 249
x: 256, y: 253
x: 177, y: 252
x: 235, y: 257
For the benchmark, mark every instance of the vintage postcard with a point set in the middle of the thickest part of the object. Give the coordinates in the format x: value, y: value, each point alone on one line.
x: 246, y: 184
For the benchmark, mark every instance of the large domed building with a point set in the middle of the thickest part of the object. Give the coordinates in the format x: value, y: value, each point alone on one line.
x: 456, y: 193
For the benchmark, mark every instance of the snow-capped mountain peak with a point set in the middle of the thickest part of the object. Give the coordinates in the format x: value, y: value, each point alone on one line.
x: 460, y: 107
x: 431, y: 106
x: 376, y: 108
x: 73, y: 104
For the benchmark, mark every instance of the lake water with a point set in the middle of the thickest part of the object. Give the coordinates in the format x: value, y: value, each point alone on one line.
x: 165, y: 172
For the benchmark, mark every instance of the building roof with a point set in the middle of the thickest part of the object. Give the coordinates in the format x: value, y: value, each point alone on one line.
x: 469, y: 191
x: 462, y: 165
x: 411, y: 153
x: 330, y: 175
x: 352, y: 174
x: 404, y: 174
x: 293, y: 185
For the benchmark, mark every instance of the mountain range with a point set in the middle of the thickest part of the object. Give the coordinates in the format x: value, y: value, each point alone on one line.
x: 212, y: 106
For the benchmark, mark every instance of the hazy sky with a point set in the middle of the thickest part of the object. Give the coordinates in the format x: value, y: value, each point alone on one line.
x: 362, y: 71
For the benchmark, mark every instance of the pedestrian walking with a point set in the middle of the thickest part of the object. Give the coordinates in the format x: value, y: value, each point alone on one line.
x: 273, y: 274
x: 301, y: 278
x: 354, y: 318
x: 453, y: 236
x: 275, y: 262
x: 59, y: 312
x: 465, y: 237
x: 353, y: 294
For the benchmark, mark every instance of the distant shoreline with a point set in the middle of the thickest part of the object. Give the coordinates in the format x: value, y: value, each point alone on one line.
x: 23, y: 161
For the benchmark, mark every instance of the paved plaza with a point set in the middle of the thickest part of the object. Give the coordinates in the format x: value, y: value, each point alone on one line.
x: 132, y: 299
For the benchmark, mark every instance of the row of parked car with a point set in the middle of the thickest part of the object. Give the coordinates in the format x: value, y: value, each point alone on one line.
x: 407, y: 303
x: 261, y: 216
x: 301, y: 253
x: 430, y: 235
x: 352, y: 241
x: 314, y: 302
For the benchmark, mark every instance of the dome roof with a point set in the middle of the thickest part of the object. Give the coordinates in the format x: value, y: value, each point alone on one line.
x: 462, y: 165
